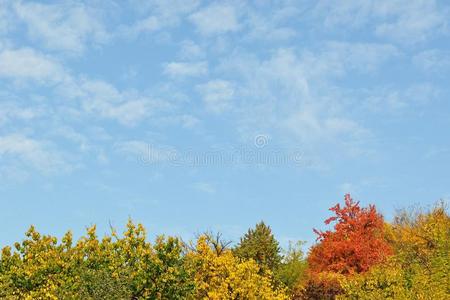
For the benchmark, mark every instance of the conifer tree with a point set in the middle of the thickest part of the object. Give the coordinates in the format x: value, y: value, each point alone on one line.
x: 260, y: 245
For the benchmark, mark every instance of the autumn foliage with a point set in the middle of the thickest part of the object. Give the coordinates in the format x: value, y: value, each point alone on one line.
x: 356, y: 243
x: 361, y: 257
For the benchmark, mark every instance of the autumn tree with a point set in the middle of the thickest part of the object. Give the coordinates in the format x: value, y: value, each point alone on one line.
x: 323, y: 286
x: 356, y: 243
x: 128, y: 266
x: 222, y: 275
x: 114, y: 267
x: 420, y: 266
x: 260, y: 245
x: 215, y: 240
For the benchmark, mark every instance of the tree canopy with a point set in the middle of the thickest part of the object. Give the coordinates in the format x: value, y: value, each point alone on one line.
x: 361, y: 257
x: 260, y: 245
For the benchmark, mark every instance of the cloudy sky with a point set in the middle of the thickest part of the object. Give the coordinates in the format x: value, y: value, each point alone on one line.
x: 194, y: 115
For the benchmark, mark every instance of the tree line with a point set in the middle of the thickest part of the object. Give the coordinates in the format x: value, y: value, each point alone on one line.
x: 361, y: 257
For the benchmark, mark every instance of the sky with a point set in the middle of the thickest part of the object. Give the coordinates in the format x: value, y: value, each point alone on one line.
x: 189, y: 115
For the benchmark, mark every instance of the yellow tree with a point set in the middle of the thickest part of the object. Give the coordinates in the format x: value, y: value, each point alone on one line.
x: 221, y: 275
x: 420, y: 267
x: 114, y: 267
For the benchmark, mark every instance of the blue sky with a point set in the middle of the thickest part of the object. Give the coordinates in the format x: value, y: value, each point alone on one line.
x: 196, y: 115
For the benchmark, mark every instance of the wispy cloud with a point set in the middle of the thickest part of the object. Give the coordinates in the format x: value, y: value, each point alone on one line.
x: 217, y: 95
x: 28, y: 64
x: 95, y: 96
x: 103, y: 99
x: 32, y: 154
x: 217, y: 18
x: 186, y: 69
x: 404, y: 21
x: 413, y: 21
x: 294, y: 92
x: 433, y: 60
x: 190, y: 50
x: 159, y: 15
x: 399, y: 100
x: 69, y: 27
x: 6, y: 18
x: 10, y: 112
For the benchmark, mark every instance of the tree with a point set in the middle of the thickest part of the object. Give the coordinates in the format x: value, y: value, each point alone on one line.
x: 357, y: 242
x: 420, y: 266
x: 293, y: 266
x: 323, y: 286
x: 216, y: 241
x: 260, y: 245
x: 114, y: 267
x: 221, y: 275
x: 129, y: 267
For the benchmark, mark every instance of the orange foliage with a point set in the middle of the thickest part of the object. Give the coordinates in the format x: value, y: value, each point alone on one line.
x: 356, y: 243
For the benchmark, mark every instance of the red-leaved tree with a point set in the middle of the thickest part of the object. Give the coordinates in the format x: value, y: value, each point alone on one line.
x: 356, y: 243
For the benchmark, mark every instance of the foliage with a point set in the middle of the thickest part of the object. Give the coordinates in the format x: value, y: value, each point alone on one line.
x: 292, y: 269
x: 357, y: 242
x: 111, y: 268
x: 421, y: 264
x: 324, y: 286
x: 362, y: 258
x: 224, y: 276
x: 215, y: 240
x: 260, y: 245
x: 129, y: 267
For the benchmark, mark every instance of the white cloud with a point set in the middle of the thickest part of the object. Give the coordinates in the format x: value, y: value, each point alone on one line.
x: 66, y: 26
x: 313, y: 128
x: 349, y: 13
x: 160, y: 14
x: 433, y: 60
x: 289, y: 82
x: 217, y: 95
x: 26, y: 63
x: 13, y: 112
x: 363, y: 57
x: 190, y: 50
x: 403, y: 21
x: 273, y: 24
x: 413, y: 21
x: 73, y: 136
x: 295, y: 95
x: 172, y: 9
x: 94, y: 97
x: 6, y: 20
x: 148, y: 24
x: 261, y: 28
x: 32, y: 153
x: 399, y: 100
x: 103, y: 99
x: 186, y: 69
x: 337, y: 59
x: 215, y: 19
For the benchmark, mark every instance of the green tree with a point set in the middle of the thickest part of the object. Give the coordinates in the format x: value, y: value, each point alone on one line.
x: 260, y: 245
x: 114, y: 267
x: 293, y: 266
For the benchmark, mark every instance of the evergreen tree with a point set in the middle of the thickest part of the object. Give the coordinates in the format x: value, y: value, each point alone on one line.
x: 260, y: 245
